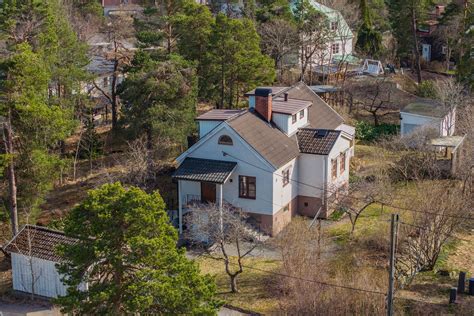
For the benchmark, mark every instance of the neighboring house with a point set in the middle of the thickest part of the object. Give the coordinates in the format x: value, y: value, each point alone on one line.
x: 34, y: 258
x: 287, y: 154
x: 122, y: 6
x: 431, y: 47
x: 427, y: 113
x: 340, y: 44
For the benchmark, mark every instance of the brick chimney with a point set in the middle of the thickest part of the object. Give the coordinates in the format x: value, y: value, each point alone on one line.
x: 263, y: 103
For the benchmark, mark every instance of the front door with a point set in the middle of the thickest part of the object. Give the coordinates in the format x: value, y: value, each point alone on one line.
x: 426, y: 52
x: 208, y: 192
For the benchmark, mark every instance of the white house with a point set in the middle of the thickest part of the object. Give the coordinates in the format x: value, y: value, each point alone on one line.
x: 34, y: 259
x: 427, y: 113
x: 284, y: 155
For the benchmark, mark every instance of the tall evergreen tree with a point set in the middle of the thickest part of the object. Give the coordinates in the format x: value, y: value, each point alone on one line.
x: 160, y: 98
x: 39, y: 73
x: 369, y: 40
x: 234, y: 63
x: 126, y: 253
x: 405, y: 17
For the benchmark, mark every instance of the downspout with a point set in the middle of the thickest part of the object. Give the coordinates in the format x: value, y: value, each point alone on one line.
x: 325, y: 179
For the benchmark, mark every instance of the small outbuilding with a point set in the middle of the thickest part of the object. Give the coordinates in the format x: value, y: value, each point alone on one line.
x: 34, y: 258
x: 426, y: 113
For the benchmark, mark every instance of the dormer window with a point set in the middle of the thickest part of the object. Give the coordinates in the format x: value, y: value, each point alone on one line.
x: 225, y: 140
x: 301, y: 114
x: 293, y: 118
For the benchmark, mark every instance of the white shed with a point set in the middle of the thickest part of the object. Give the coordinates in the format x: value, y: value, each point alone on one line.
x: 34, y: 258
x: 427, y: 113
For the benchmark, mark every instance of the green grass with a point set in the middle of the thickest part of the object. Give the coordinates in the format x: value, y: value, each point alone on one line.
x: 256, y: 288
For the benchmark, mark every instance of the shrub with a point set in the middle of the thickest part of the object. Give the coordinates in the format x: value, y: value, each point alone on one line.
x: 368, y: 132
x: 426, y: 89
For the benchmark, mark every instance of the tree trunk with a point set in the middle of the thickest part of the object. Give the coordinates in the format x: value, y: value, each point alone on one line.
x: 114, y: 89
x: 416, y: 46
x: 11, y: 174
x: 233, y: 283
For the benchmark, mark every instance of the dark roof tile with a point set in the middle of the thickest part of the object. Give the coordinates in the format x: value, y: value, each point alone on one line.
x: 208, y: 170
x: 316, y: 141
x: 265, y: 138
x: 44, y: 242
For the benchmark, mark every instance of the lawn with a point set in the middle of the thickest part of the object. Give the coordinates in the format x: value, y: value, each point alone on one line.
x: 257, y: 289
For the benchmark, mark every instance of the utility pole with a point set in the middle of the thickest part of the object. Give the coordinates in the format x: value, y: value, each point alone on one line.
x: 391, y: 275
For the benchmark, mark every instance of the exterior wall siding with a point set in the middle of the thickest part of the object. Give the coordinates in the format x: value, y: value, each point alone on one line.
x: 207, y: 126
x: 48, y: 280
x: 283, y: 195
x: 408, y: 118
x: 248, y: 164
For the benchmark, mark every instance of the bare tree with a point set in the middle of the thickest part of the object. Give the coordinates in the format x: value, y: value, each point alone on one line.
x: 314, y: 34
x: 440, y: 211
x: 279, y: 38
x: 362, y: 194
x: 307, y: 278
x: 119, y: 31
x: 139, y: 166
x: 226, y: 227
x: 374, y: 97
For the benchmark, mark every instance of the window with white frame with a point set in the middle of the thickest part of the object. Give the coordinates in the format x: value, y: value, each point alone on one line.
x: 335, y: 48
x: 301, y: 114
x: 294, y: 118
x: 334, y: 25
x: 334, y: 168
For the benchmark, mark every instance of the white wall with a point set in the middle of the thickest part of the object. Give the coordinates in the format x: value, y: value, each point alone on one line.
x: 342, y: 145
x: 282, y: 195
x: 210, y: 149
x: 207, y: 126
x: 47, y: 279
x: 311, y: 175
x: 190, y: 189
x: 409, y: 118
x: 285, y: 123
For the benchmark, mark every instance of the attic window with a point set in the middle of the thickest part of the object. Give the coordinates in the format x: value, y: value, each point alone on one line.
x: 321, y: 133
x: 334, y: 26
x: 225, y: 140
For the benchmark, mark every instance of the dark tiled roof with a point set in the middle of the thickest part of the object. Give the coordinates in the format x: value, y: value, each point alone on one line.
x: 197, y: 169
x: 321, y: 115
x: 265, y: 138
x: 44, y: 242
x: 316, y: 141
x: 218, y: 115
x: 292, y: 106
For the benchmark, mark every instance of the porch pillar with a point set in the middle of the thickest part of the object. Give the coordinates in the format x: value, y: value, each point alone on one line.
x: 180, y: 208
x: 220, y: 199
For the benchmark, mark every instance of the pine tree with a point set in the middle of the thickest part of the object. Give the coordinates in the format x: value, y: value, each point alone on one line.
x: 369, y: 40
x: 126, y: 253
x: 234, y: 63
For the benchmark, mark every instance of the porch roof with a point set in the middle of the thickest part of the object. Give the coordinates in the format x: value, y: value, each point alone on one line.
x: 207, y: 170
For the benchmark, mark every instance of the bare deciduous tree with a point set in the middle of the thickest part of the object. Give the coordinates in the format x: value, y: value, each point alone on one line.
x: 119, y: 30
x: 279, y: 38
x: 226, y: 228
x: 440, y: 207
x: 363, y: 193
x: 308, y: 275
x: 374, y: 97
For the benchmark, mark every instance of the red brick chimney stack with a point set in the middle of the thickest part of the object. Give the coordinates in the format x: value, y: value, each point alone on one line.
x: 263, y: 103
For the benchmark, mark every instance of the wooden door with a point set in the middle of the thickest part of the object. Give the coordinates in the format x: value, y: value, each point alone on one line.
x: 208, y: 192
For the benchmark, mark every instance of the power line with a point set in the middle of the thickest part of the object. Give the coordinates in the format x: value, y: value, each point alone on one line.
x: 303, y: 279
x: 351, y: 197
